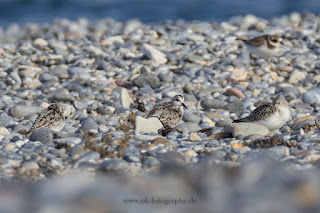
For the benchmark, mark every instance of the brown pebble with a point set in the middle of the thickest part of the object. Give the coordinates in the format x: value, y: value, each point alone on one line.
x: 285, y: 68
x: 121, y: 83
x: 234, y: 92
x: 304, y: 118
x: 160, y: 140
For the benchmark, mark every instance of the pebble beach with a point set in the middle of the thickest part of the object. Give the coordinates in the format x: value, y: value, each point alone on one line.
x: 112, y: 72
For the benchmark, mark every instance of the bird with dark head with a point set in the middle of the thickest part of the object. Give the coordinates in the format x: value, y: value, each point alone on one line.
x: 264, y: 46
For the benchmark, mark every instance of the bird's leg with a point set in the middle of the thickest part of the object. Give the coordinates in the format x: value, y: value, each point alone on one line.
x: 272, y: 68
x: 251, y: 58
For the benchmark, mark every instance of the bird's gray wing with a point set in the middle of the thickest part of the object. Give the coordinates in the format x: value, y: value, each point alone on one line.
x: 260, y: 113
x: 257, y: 41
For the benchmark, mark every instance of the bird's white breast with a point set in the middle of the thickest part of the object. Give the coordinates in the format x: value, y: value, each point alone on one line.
x: 277, y: 119
x: 264, y: 52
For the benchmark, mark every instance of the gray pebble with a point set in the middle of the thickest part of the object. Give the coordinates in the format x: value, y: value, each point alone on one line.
x: 43, y: 135
x: 131, y: 158
x: 20, y: 111
x: 114, y: 165
x: 213, y: 104
x: 190, y: 117
x: 188, y: 127
x: 150, y: 162
x: 146, y: 79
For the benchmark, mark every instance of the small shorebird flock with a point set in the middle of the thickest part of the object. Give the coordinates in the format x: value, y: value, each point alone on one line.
x: 272, y: 115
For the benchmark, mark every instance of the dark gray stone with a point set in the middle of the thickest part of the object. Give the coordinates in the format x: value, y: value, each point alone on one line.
x: 188, y: 127
x: 213, y: 104
x: 190, y: 117
x: 131, y: 158
x: 114, y: 165
x: 88, y: 156
x: 221, y: 123
x: 150, y: 162
x: 20, y: 111
x: 6, y: 120
x: 146, y: 79
x: 43, y: 135
x: 235, y: 106
x: 89, y: 124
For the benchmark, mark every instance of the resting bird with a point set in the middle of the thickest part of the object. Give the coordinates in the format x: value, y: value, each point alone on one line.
x: 272, y: 115
x: 53, y: 118
x: 169, y: 113
x: 264, y: 46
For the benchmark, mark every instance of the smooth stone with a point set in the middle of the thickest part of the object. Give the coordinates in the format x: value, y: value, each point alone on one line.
x: 188, y: 127
x: 212, y: 143
x: 281, y: 151
x: 89, y: 124
x: 88, y: 156
x: 234, y: 92
x: 28, y: 165
x: 28, y: 73
x: 151, y: 125
x: 212, y: 104
x: 20, y: 111
x: 4, y: 131
x: 190, y: 117
x: 9, y: 147
x: 244, y: 150
x: 43, y: 135
x: 6, y: 120
x: 81, y: 104
x: 245, y: 129
x: 58, y: 152
x: 194, y: 137
x: 154, y: 54
x: 131, y: 158
x: 103, y: 110
x: 190, y: 154
x: 61, y: 71
x: 221, y: 123
x: 146, y: 79
x: 63, y: 97
x: 40, y: 42
x: 125, y: 98
x: 114, y: 165
x: 207, y: 120
x: 312, y: 96
x: 172, y: 159
x: 56, y: 163
x: 303, y: 123
x: 298, y: 120
x: 150, y: 162
x: 296, y: 76
x: 235, y: 106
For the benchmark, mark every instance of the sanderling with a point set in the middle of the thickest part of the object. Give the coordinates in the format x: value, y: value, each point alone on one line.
x: 53, y: 118
x: 272, y: 115
x: 169, y: 113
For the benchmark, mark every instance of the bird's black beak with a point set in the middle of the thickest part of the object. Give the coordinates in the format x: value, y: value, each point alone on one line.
x: 184, y: 106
